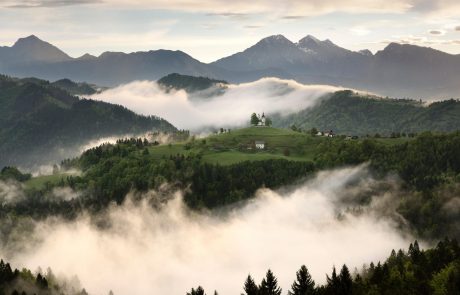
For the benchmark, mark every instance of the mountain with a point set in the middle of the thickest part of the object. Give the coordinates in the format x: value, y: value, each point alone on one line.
x: 345, y: 112
x: 275, y: 52
x: 32, y: 50
x: 397, y: 71
x: 41, y: 123
x: 33, y: 57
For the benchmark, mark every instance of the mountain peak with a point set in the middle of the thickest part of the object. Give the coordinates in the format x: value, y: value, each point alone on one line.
x: 28, y: 40
x: 87, y: 56
x: 366, y: 52
x: 33, y: 49
x: 275, y: 39
x: 308, y: 39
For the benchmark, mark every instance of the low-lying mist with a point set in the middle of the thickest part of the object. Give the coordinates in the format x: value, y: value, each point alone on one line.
x: 233, y: 108
x: 170, y: 249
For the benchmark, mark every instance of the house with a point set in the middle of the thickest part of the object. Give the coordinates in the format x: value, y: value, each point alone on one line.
x: 260, y: 145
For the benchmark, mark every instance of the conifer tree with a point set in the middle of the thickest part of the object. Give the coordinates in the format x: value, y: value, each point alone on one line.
x: 304, y: 285
x: 250, y: 287
x: 198, y: 291
x: 333, y: 282
x: 269, y: 285
x: 346, y: 282
x: 254, y: 119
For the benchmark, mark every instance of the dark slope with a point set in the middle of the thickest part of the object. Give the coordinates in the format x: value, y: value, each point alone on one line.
x: 347, y: 113
x: 41, y: 123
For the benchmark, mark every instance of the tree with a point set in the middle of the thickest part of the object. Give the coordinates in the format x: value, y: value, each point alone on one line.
x: 304, y: 284
x: 346, y: 282
x: 250, y: 286
x: 268, y: 121
x: 269, y: 285
x: 198, y: 291
x: 333, y: 282
x: 254, y: 119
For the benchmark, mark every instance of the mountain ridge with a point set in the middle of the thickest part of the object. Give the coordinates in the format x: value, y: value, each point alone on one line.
x: 398, y: 70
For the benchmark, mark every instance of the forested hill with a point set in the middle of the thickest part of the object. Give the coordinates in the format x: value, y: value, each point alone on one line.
x: 40, y: 122
x: 190, y: 83
x: 348, y: 113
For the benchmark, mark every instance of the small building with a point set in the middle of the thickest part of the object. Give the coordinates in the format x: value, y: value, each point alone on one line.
x: 260, y: 145
x: 262, y: 120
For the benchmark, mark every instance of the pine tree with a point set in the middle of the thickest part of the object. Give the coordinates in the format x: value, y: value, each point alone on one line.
x: 254, y: 119
x: 346, y: 282
x: 250, y: 286
x: 198, y: 291
x: 269, y: 285
x: 304, y: 284
x: 333, y: 282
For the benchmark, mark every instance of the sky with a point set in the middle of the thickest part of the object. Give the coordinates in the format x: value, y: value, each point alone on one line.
x: 212, y: 29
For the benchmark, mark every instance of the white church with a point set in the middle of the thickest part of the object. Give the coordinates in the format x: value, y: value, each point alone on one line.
x: 262, y: 121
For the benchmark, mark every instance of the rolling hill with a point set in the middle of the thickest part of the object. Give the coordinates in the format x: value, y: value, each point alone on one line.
x: 41, y: 123
x: 348, y: 113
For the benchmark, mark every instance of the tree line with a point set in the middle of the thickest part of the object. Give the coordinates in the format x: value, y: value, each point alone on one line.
x: 412, y: 272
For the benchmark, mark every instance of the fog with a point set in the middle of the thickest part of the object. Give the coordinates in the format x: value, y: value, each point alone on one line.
x: 233, y: 108
x: 170, y: 249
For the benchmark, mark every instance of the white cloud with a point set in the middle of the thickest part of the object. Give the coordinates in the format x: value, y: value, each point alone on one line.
x: 171, y: 250
x: 234, y: 108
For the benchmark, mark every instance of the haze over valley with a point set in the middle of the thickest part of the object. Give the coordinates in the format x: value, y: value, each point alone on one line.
x: 202, y: 147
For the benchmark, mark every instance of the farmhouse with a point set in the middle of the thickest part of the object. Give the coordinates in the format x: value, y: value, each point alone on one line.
x: 260, y: 145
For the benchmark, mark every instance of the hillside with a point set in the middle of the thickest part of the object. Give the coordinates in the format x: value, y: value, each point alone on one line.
x: 347, y: 113
x: 40, y: 123
x: 189, y: 83
x: 226, y: 168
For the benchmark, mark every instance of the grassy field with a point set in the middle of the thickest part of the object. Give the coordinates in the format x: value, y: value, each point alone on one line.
x: 40, y: 182
x: 237, y: 146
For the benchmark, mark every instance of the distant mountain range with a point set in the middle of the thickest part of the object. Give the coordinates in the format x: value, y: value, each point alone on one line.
x: 41, y: 122
x: 397, y: 71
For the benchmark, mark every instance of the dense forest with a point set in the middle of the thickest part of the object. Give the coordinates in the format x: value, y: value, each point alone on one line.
x: 416, y: 271
x: 428, y: 167
x: 42, y: 123
x: 189, y: 83
x: 346, y: 112
x: 24, y: 282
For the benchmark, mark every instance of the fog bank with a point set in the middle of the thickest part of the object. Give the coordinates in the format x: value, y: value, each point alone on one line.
x: 170, y: 250
x: 233, y: 108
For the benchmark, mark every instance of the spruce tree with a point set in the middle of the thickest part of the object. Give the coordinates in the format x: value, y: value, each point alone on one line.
x: 254, y: 119
x: 250, y: 286
x: 269, y: 285
x: 333, y: 282
x: 346, y: 282
x: 304, y: 285
x: 198, y: 291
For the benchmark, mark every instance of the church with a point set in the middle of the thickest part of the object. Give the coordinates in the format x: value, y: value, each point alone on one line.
x: 262, y: 121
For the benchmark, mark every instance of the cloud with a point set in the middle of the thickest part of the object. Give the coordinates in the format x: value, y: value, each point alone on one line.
x: 252, y: 26
x: 293, y: 16
x: 170, y: 250
x: 10, y: 192
x: 238, y: 8
x: 233, y: 108
x: 437, y: 32
x: 46, y: 3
